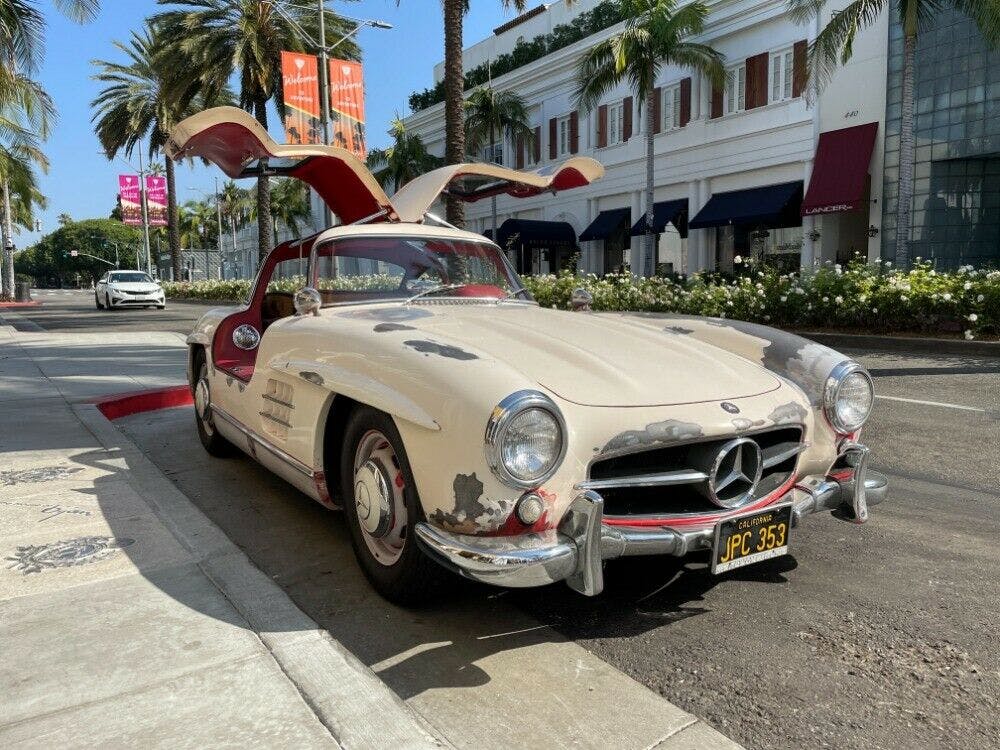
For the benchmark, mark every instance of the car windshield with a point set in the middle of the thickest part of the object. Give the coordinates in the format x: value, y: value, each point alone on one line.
x: 413, y: 268
x: 130, y: 278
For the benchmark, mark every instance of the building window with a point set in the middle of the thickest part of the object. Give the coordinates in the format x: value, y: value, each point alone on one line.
x: 493, y: 153
x: 562, y: 134
x: 616, y: 123
x: 530, y: 149
x: 735, y: 99
x: 671, y: 107
x: 782, y: 69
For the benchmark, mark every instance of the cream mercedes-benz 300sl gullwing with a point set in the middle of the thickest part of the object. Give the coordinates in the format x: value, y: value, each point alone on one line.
x: 395, y: 367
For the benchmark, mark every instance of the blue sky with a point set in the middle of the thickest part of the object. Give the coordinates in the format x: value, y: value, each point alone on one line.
x: 82, y: 183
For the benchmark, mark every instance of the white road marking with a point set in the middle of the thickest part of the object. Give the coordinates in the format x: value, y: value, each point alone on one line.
x: 933, y: 403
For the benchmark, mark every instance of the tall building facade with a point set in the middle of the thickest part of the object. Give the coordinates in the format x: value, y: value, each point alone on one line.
x: 764, y: 166
x: 956, y: 202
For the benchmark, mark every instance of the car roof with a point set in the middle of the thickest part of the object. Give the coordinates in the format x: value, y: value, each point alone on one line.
x: 399, y: 229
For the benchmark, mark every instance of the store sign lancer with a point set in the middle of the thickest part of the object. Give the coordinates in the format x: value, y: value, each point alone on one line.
x: 829, y: 209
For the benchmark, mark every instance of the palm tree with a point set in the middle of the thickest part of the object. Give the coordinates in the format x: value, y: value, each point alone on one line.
x: 289, y: 206
x: 236, y: 206
x: 454, y: 91
x: 245, y: 38
x: 653, y: 37
x: 405, y: 159
x: 834, y: 46
x: 492, y: 116
x: 144, y: 98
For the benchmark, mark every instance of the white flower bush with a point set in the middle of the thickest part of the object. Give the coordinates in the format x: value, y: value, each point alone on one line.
x: 865, y: 297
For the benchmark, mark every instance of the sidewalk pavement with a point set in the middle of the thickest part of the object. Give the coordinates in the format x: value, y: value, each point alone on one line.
x: 128, y: 617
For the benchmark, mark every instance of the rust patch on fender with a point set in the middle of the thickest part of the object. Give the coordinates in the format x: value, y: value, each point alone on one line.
x: 668, y: 431
x: 442, y: 350
x: 473, y: 513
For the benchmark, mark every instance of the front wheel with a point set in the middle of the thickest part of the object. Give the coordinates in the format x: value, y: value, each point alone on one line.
x: 211, y: 440
x: 97, y: 302
x: 382, y: 506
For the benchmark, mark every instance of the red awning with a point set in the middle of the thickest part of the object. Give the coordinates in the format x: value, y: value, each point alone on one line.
x: 840, y: 170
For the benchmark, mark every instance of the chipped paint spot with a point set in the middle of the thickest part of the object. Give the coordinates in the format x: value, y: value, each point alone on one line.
x: 386, y: 327
x: 313, y: 377
x: 473, y: 513
x: 790, y: 413
x: 442, y: 350
x: 742, y: 425
x: 679, y: 330
x: 668, y: 431
x: 229, y: 380
x: 241, y: 386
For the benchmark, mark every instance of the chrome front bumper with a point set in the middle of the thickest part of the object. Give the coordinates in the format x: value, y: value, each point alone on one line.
x: 576, y: 551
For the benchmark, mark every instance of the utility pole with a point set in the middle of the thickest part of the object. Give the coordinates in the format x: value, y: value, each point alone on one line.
x: 218, y: 238
x: 6, y: 244
x: 145, y: 216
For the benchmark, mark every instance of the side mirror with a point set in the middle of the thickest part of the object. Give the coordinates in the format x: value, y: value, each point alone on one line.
x: 581, y: 300
x: 307, y: 301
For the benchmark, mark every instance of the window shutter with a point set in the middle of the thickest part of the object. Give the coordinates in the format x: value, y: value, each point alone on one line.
x: 627, y: 118
x: 574, y: 132
x: 657, y: 110
x: 799, y: 67
x: 519, y: 152
x: 756, y: 94
x: 602, y: 126
x: 685, y: 101
x: 716, y: 103
x: 537, y: 145
x: 552, y: 139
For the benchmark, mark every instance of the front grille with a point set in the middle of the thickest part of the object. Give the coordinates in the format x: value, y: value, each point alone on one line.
x: 670, y: 480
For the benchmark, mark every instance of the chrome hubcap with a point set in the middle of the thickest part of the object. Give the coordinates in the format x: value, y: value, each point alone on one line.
x: 379, y: 501
x: 203, y: 404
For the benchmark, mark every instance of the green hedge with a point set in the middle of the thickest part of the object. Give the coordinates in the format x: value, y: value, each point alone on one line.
x: 859, y: 297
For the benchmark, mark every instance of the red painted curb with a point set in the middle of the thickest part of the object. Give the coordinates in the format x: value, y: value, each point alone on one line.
x: 136, y: 402
x: 15, y: 305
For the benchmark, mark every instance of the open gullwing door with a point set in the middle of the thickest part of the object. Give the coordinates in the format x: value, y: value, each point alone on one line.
x: 475, y: 181
x: 236, y: 143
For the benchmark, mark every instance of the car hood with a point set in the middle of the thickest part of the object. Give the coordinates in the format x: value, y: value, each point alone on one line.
x: 134, y: 286
x: 592, y: 359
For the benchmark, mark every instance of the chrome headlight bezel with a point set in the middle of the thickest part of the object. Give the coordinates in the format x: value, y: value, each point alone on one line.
x: 496, y: 428
x: 831, y: 394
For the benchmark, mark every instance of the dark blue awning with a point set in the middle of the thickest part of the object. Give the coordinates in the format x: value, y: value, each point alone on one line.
x: 606, y: 224
x: 531, y: 233
x: 666, y: 212
x: 769, y: 206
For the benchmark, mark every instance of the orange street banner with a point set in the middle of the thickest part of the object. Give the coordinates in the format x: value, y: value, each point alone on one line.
x: 347, y: 105
x: 300, y: 80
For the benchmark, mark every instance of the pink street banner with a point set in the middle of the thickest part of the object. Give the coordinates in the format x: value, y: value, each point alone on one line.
x: 156, y: 200
x: 129, y: 194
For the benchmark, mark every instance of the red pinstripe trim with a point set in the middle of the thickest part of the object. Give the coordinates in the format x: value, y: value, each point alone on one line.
x: 135, y: 402
x: 712, y: 519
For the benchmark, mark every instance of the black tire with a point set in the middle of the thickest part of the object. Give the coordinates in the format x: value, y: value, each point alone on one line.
x: 97, y: 301
x: 413, y: 578
x: 211, y: 440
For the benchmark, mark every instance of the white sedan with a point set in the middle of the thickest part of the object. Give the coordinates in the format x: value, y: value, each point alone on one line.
x: 128, y: 289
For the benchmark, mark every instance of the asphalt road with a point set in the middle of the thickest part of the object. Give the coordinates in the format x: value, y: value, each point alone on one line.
x: 880, y: 636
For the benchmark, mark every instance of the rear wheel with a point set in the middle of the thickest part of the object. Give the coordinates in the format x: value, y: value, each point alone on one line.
x: 382, y: 506
x: 213, y: 442
x: 97, y: 302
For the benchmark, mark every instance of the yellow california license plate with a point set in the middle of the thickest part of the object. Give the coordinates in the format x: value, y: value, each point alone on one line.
x: 750, y: 538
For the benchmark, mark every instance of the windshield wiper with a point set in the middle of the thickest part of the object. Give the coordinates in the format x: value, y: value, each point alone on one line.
x: 433, y: 290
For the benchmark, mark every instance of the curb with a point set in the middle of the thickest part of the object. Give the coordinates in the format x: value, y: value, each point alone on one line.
x: 907, y: 344
x: 17, y: 305
x: 357, y: 708
x: 136, y: 402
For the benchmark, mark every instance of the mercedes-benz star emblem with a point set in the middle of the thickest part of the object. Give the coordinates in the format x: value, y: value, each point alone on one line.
x: 735, y: 473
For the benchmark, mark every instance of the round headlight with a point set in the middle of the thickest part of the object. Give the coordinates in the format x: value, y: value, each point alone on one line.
x: 525, y: 439
x: 849, y: 397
